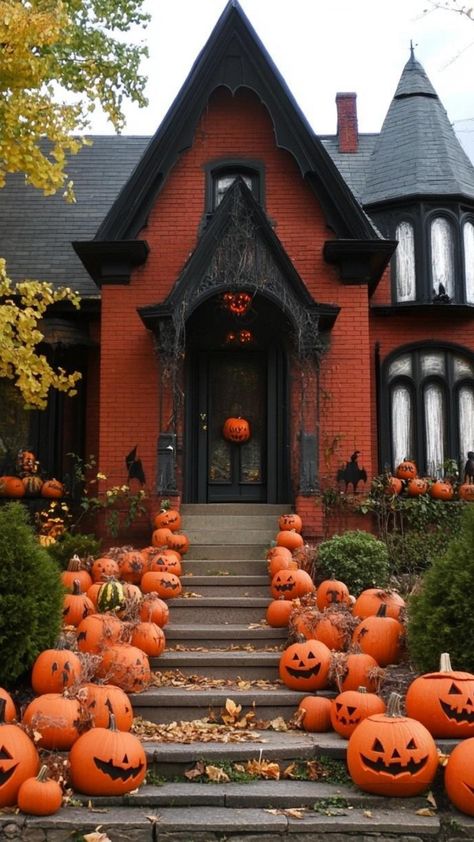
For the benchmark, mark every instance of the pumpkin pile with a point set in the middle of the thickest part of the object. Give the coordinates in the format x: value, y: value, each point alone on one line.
x: 407, y: 480
x: 27, y: 480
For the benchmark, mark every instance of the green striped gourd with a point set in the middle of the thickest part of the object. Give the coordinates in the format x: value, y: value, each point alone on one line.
x: 111, y: 596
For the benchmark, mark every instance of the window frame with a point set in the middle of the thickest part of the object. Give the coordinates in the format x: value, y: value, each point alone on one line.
x: 233, y: 166
x: 409, y: 220
x: 465, y: 218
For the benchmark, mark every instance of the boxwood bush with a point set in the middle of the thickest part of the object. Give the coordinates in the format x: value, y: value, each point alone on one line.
x: 441, y: 616
x: 356, y: 558
x: 31, y: 595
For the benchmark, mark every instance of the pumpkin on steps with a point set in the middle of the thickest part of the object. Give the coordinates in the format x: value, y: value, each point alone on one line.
x: 56, y: 718
x: 40, y: 795
x: 305, y: 665
x: 76, y: 606
x: 19, y: 759
x: 278, y: 612
x: 105, y: 761
x: 315, y: 714
x: 443, y: 701
x: 110, y: 596
x: 291, y: 521
x: 291, y: 584
x: 76, y: 570
x: 55, y: 669
x: 290, y: 539
x: 351, y: 707
x: 103, y: 699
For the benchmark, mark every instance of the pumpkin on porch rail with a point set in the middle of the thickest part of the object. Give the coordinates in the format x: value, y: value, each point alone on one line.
x: 406, y: 470
x: 105, y: 761
x: 390, y: 754
x: 52, y: 489
x: 236, y: 430
x: 466, y: 492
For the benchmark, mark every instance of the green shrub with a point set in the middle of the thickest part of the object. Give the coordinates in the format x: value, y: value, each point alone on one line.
x: 356, y: 558
x: 413, y: 552
x: 441, y: 616
x: 70, y: 544
x: 31, y: 595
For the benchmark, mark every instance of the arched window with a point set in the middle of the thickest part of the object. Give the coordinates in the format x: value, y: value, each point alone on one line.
x: 468, y: 237
x: 222, y: 176
x: 442, y: 257
x: 430, y: 394
x: 405, y: 262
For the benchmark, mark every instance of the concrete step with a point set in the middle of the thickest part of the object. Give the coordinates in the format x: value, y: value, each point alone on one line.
x: 250, y: 509
x: 222, y: 536
x: 269, y: 523
x: 223, y: 636
x: 167, y: 704
x: 224, y: 566
x: 207, y: 549
x: 232, y: 824
x: 221, y: 609
x: 247, y: 665
x: 226, y: 585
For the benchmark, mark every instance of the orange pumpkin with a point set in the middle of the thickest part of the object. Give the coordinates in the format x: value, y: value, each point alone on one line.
x: 291, y: 584
x: 54, y: 670
x: 52, y: 489
x: 179, y: 542
x: 161, y: 536
x: 19, y: 759
x: 103, y: 568
x: 459, y: 776
x: 406, y: 470
x: 351, y: 707
x: 126, y: 666
x: 154, y: 610
x: 76, y: 570
x: 161, y: 561
x: 442, y: 490
x: 76, y: 606
x: 98, y: 631
x: 56, y: 718
x: 103, y: 699
x: 393, y: 485
x: 11, y: 487
x: 466, y: 492
x: 290, y: 521
x: 280, y: 562
x: 360, y: 670
x: 290, y: 539
x: 305, y: 665
x: 40, y: 796
x: 381, y: 637
x: 132, y: 567
x: 330, y: 591
x: 393, y: 755
x: 166, y: 585
x: 443, y: 701
x: 148, y: 637
x: 105, y: 761
x: 369, y: 601
x: 316, y: 714
x: 417, y: 486
x: 168, y: 518
x: 236, y: 430
x: 278, y: 612
x: 9, y: 707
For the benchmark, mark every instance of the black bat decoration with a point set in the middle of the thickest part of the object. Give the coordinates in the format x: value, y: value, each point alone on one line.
x: 135, y: 467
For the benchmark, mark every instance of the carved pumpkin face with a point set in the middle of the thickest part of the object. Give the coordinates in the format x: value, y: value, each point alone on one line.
x: 290, y: 521
x: 107, y: 762
x: 236, y: 430
x: 331, y: 591
x: 444, y: 702
x: 305, y: 666
x: 165, y: 584
x: 19, y: 760
x: 406, y: 470
x: 103, y: 699
x: 52, y: 489
x: 459, y: 777
x: 54, y: 670
x: 351, y: 707
x: 442, y: 490
x: 170, y: 518
x: 26, y: 463
x: 291, y: 584
x: 417, y: 486
x: 104, y: 568
x: 392, y: 755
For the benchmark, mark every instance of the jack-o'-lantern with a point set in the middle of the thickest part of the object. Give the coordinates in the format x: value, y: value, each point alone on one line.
x: 393, y: 485
x: 76, y: 570
x: 52, y: 489
x: 26, y: 463
x: 148, y: 637
x: 330, y: 591
x: 381, y: 637
x: 442, y: 490
x: 359, y: 670
x: 466, y: 492
x: 305, y: 665
x: 168, y: 518
x: 351, y: 707
x: 290, y: 521
x: 132, y: 567
x: 369, y: 601
x: 406, y: 470
x: 291, y: 584
x: 160, y: 561
x: 126, y: 666
x: 104, y: 568
x: 443, y: 701
x: 97, y: 631
x: 315, y: 714
x: 179, y: 542
x: 55, y: 669
x: 9, y: 707
x: 19, y: 759
x: 56, y: 717
x: 390, y: 754
x: 417, y: 486
x: 11, y: 487
x: 236, y: 430
x: 289, y: 539
x: 459, y: 776
x: 160, y: 536
x: 103, y: 699
x: 76, y: 606
x: 154, y: 610
x: 166, y: 585
x: 105, y: 761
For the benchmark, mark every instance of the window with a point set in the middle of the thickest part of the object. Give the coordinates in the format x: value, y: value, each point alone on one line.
x: 430, y: 408
x: 224, y: 180
x: 442, y: 257
x: 405, y: 262
x: 468, y: 237
x: 221, y: 175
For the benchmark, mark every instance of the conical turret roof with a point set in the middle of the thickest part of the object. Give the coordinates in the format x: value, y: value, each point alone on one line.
x: 417, y: 152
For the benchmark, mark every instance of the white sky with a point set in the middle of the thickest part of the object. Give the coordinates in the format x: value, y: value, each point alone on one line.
x: 320, y: 47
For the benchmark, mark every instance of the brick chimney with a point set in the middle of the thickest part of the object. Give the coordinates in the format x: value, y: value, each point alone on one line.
x: 347, y: 131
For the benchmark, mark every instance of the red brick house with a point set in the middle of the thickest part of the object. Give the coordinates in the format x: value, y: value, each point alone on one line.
x: 237, y: 265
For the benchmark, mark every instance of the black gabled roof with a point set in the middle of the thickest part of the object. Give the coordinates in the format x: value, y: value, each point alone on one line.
x: 417, y: 153
x: 234, y: 57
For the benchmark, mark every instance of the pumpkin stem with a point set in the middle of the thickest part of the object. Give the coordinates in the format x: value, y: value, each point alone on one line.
x: 42, y: 774
x: 393, y: 706
x: 445, y: 662
x: 3, y: 704
x: 362, y: 689
x: 112, y: 722
x: 75, y: 563
x: 76, y: 587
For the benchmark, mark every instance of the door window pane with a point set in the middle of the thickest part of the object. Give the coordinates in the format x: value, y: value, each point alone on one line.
x: 435, y: 426
x: 462, y: 368
x: 466, y: 421
x: 402, y: 365
x: 402, y: 424
x: 432, y: 364
x: 468, y: 233
x: 442, y: 256
x: 405, y: 262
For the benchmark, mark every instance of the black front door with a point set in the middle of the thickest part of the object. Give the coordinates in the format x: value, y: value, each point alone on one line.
x: 232, y: 385
x: 228, y: 384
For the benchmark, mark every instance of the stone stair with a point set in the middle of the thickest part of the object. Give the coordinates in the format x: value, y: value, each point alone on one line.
x: 218, y: 633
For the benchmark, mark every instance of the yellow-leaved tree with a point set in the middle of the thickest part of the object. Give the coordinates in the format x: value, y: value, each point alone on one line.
x: 59, y: 59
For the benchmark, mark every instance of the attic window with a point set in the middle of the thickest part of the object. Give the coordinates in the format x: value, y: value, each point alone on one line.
x: 224, y: 180
x: 221, y: 175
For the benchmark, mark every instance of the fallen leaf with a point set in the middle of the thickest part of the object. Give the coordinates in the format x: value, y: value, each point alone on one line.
x: 96, y: 836
x: 153, y: 819
x: 196, y: 772
x: 217, y: 775
x: 425, y: 811
x: 432, y: 800
x: 263, y: 769
x: 367, y: 813
x: 292, y: 812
